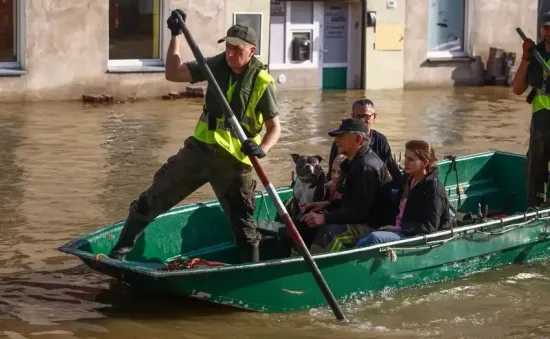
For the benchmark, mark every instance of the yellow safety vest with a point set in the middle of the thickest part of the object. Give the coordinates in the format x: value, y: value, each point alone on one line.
x: 251, y: 122
x: 541, y: 99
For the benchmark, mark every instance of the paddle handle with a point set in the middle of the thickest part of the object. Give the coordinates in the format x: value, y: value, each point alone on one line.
x: 536, y: 53
x: 261, y: 173
x: 521, y: 33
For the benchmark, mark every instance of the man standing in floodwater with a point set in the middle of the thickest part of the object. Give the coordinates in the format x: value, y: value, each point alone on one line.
x: 530, y: 72
x: 214, y: 154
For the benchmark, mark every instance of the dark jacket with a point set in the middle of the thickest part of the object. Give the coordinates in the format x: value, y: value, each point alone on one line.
x: 427, y: 209
x: 366, y: 192
x: 379, y: 144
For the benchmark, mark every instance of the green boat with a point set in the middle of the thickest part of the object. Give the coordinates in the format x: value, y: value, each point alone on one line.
x: 488, y: 190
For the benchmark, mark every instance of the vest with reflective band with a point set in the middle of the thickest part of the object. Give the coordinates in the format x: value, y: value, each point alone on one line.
x: 243, y: 99
x: 542, y: 99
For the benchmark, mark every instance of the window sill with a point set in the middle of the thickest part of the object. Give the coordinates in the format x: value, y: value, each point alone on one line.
x: 8, y: 72
x: 450, y: 59
x: 135, y: 69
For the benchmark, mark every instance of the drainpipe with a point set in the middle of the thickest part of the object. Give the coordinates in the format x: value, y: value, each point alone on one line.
x: 363, y: 42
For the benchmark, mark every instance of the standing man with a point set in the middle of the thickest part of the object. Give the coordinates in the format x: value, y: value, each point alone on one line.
x: 530, y: 73
x: 364, y: 109
x: 214, y: 154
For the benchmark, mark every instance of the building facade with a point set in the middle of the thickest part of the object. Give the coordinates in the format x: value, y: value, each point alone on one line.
x: 57, y: 50
x: 447, y: 42
x: 386, y: 44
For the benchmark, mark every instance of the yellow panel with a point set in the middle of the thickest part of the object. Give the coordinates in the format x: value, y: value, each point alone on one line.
x: 389, y: 37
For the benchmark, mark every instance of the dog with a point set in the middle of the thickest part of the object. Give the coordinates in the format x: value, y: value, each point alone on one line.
x: 310, y: 183
x: 309, y: 186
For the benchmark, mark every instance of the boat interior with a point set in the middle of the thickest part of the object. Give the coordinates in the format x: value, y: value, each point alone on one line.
x: 480, y: 187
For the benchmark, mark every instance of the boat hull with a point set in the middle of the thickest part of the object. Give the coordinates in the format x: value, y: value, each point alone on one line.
x: 282, y: 284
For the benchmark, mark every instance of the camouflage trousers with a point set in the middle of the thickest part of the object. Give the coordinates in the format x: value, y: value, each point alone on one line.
x: 193, y: 166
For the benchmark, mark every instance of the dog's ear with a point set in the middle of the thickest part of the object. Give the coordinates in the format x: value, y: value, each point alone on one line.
x: 320, y: 158
x: 295, y: 156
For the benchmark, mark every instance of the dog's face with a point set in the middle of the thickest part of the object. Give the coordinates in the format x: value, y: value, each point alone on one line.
x: 308, y: 167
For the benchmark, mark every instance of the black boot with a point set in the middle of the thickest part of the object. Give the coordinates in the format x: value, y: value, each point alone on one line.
x: 256, y: 253
x: 249, y: 253
x: 133, y: 227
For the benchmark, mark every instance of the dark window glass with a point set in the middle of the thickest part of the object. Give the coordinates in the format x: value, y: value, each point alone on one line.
x: 7, y: 31
x: 134, y: 29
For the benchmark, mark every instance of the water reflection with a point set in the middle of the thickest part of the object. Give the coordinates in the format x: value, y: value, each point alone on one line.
x: 68, y: 169
x: 131, y: 141
x: 11, y: 190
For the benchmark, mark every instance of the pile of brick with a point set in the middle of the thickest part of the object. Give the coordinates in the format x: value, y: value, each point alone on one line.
x: 191, y: 91
x: 97, y: 98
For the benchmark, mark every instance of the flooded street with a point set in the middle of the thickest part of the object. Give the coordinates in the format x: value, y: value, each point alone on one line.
x: 67, y: 169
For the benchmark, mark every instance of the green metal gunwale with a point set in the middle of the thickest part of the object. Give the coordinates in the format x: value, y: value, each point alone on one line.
x: 418, y: 240
x: 71, y: 247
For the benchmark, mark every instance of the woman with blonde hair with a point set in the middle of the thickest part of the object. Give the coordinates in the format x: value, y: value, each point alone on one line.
x: 422, y: 207
x: 336, y: 170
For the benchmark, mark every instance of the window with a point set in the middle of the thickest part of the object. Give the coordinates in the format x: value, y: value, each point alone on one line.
x: 254, y: 20
x: 294, y: 29
x: 447, y: 28
x: 136, y: 29
x: 301, y: 46
x: 12, y: 34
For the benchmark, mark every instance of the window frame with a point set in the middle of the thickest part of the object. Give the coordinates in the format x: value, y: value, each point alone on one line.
x: 313, y: 28
x: 19, y: 39
x: 130, y: 65
x: 259, y: 36
x: 466, y: 50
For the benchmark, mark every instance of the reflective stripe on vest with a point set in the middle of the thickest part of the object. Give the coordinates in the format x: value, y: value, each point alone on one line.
x: 250, y: 122
x: 542, y: 99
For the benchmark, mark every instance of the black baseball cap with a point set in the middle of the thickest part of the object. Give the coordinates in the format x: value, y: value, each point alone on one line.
x: 349, y: 125
x: 545, y: 19
x: 240, y: 34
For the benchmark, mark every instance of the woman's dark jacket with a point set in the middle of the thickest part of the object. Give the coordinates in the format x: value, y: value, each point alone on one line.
x: 427, y: 209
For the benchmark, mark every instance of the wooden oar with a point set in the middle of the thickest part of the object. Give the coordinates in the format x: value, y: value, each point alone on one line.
x: 539, y: 58
x: 261, y: 174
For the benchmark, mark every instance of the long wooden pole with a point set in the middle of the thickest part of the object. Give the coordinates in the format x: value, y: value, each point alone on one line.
x: 230, y: 116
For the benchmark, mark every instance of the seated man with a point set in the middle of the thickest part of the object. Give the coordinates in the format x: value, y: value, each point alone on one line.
x: 364, y: 109
x: 365, y: 203
x: 421, y: 207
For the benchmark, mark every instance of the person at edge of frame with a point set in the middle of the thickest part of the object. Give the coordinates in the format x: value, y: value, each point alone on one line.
x: 531, y: 73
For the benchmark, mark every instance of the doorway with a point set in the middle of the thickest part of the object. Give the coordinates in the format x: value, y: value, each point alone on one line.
x: 334, y: 49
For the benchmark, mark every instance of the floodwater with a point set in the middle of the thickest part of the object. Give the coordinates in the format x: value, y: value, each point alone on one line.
x: 68, y: 168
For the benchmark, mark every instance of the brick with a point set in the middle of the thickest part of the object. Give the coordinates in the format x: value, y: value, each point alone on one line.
x: 196, y: 91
